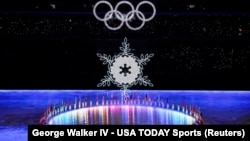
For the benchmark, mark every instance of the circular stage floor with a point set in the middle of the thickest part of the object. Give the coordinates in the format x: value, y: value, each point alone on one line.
x: 122, y: 115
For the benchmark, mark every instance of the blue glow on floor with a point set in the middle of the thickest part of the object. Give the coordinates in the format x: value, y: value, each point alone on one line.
x: 22, y: 107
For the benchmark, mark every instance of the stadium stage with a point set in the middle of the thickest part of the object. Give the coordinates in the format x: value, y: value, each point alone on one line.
x: 194, y: 54
x: 23, y: 107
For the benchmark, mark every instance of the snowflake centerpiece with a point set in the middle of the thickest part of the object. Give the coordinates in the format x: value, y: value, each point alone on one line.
x: 125, y: 69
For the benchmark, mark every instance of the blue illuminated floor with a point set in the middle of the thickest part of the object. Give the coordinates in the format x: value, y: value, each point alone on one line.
x: 20, y: 108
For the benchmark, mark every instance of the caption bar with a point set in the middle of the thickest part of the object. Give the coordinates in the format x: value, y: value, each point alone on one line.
x: 65, y: 132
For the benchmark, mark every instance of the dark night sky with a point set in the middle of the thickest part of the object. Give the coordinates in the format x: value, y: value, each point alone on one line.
x: 52, y: 44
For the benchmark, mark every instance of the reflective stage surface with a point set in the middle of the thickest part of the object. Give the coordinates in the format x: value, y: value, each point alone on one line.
x: 122, y: 115
x: 22, y: 107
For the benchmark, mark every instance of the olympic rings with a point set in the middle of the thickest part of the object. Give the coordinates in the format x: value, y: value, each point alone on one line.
x: 124, y: 18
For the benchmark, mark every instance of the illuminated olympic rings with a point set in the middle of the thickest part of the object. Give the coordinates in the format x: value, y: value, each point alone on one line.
x: 124, y: 18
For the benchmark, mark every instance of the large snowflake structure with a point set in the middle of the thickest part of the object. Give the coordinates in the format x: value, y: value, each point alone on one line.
x: 125, y: 69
